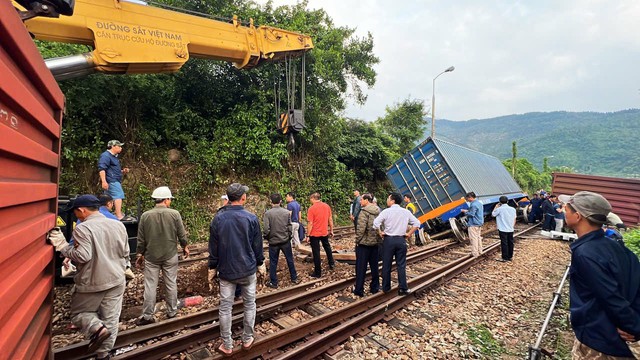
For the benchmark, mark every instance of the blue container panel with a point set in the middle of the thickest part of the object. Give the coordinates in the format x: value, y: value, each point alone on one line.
x: 424, y: 174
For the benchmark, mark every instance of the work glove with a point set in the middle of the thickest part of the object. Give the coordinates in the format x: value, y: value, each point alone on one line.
x: 262, y: 270
x: 212, y: 276
x: 57, y: 239
x: 185, y: 252
x: 140, y: 262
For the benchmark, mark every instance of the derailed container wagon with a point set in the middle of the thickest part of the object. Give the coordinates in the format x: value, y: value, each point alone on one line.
x: 438, y: 174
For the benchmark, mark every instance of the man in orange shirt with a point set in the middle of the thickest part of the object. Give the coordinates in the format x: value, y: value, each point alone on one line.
x: 320, y: 224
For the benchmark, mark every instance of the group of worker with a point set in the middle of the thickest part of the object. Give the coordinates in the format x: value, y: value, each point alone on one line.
x: 382, y: 234
x: 548, y: 209
x: 605, y: 291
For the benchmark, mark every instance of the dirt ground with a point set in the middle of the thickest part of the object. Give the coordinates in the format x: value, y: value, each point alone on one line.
x: 493, y: 311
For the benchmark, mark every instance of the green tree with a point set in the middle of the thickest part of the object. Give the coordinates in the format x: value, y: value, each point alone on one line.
x: 404, y: 123
x: 527, y: 176
x: 223, y: 119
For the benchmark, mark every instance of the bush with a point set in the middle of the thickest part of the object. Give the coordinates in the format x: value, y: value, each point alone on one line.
x: 632, y: 240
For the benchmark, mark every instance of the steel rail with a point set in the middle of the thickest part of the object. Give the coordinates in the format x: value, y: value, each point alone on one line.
x: 287, y: 303
x: 343, y: 330
x: 142, y: 333
x: 535, y: 352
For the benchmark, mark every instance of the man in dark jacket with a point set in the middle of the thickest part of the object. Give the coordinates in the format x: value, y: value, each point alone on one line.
x: 367, y: 241
x: 535, y: 210
x: 605, y: 287
x: 355, y: 207
x: 277, y: 231
x: 549, y: 213
x: 235, y: 252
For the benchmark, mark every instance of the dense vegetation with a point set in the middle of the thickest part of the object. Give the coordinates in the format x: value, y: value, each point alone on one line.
x: 210, y: 124
x: 588, y: 142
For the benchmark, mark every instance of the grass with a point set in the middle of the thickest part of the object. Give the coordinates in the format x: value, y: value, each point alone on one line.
x: 483, y: 340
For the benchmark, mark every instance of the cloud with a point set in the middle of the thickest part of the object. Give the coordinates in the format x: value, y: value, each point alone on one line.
x: 510, y: 57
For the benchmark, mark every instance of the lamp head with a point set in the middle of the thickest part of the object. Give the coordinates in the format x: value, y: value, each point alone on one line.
x: 450, y: 69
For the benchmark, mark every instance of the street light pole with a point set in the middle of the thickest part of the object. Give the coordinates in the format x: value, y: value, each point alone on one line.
x: 433, y: 102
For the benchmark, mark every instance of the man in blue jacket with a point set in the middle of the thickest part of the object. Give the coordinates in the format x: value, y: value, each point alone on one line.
x: 605, y: 287
x: 475, y: 220
x: 235, y: 253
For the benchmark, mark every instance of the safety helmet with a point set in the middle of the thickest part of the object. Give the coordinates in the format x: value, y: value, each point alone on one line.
x: 162, y: 192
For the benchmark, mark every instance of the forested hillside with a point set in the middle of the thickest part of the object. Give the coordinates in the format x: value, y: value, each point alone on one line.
x: 211, y: 124
x: 588, y: 142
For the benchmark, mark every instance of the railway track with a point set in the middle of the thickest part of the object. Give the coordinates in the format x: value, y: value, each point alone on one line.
x: 201, y: 253
x: 325, y: 326
x: 267, y: 303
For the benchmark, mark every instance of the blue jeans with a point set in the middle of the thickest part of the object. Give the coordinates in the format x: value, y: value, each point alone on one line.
x: 274, y: 253
x: 227, y: 290
x: 394, y: 246
x: 366, y: 255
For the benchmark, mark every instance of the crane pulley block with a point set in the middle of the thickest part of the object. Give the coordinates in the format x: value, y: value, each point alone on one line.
x: 292, y: 121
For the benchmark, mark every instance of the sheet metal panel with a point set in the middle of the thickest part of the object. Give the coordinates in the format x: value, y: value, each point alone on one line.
x: 481, y: 173
x: 31, y: 106
x: 437, y: 172
x: 622, y: 193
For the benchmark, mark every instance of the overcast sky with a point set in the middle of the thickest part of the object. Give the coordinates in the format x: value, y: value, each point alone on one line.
x: 509, y: 56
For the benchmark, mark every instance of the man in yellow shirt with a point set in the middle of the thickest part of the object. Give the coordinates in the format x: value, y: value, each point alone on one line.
x: 412, y: 207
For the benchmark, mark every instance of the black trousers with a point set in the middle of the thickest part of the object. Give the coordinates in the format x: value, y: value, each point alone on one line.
x: 506, y: 244
x: 315, y: 250
x: 549, y: 222
x: 366, y: 255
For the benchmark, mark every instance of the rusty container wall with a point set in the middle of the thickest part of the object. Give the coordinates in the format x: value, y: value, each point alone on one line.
x: 31, y: 106
x: 622, y: 193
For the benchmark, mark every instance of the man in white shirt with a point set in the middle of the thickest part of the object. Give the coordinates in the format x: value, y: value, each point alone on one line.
x: 396, y: 220
x: 505, y: 219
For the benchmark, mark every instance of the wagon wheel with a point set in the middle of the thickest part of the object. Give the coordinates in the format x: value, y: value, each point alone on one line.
x: 525, y: 213
x: 458, y: 230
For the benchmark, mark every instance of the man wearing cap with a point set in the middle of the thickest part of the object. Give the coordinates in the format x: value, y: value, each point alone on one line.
x: 235, y: 253
x: 99, y: 251
x: 111, y: 174
x: 159, y: 231
x: 106, y: 204
x: 605, y: 287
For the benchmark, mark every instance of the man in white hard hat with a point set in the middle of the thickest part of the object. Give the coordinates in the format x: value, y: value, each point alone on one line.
x: 159, y: 231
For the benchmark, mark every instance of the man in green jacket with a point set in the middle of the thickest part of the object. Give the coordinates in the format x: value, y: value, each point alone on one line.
x: 367, y: 241
x: 159, y: 231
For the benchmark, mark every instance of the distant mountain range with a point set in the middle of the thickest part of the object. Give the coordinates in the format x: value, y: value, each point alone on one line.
x: 589, y: 142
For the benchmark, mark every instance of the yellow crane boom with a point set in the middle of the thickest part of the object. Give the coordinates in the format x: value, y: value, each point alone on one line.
x: 131, y: 37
